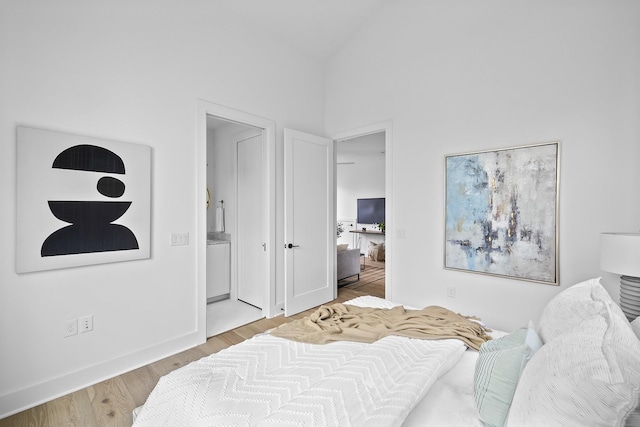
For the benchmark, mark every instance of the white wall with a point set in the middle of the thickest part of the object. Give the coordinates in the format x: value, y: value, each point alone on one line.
x: 128, y: 71
x: 466, y: 75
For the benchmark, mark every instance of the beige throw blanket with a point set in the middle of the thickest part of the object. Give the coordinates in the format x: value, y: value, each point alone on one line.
x: 343, y: 322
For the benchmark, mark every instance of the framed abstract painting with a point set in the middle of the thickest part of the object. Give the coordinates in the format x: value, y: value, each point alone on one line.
x: 80, y: 200
x: 501, y: 212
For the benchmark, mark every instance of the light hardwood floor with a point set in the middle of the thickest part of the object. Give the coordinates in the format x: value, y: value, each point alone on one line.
x: 111, y: 402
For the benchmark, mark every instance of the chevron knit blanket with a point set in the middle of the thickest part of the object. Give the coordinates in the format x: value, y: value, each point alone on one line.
x: 344, y: 322
x: 271, y: 381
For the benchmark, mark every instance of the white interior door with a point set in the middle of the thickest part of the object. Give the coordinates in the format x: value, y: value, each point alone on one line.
x: 309, y: 221
x: 250, y: 239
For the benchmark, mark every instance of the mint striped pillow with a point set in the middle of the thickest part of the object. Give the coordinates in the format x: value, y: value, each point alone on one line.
x: 498, y: 369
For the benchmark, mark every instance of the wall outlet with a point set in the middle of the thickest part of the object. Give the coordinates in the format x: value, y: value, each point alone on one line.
x: 86, y: 324
x: 451, y: 291
x: 70, y: 327
x: 179, y: 239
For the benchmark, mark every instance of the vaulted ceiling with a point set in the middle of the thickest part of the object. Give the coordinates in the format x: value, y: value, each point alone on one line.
x: 317, y: 27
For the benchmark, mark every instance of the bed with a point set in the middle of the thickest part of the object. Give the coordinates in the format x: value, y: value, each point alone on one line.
x: 580, y: 365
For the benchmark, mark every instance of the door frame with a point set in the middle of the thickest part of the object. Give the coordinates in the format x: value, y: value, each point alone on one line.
x: 387, y: 128
x: 204, y: 109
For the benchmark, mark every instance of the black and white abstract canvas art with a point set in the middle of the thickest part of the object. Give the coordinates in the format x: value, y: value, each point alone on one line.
x: 80, y: 200
x: 501, y: 210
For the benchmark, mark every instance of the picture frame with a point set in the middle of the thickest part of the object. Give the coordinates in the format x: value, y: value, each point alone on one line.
x: 80, y: 200
x: 501, y: 212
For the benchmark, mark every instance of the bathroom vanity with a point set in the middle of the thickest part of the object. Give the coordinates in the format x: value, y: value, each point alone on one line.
x: 218, y: 265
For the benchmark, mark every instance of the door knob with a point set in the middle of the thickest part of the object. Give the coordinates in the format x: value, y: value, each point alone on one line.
x: 291, y: 245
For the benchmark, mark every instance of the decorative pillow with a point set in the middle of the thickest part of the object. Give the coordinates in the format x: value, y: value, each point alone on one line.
x: 589, y: 375
x: 376, y: 251
x: 343, y: 247
x: 573, y: 305
x: 498, y: 369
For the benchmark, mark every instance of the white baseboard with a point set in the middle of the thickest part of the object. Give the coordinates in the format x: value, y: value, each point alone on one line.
x: 28, y: 397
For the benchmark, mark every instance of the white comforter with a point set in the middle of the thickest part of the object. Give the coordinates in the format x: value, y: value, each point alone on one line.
x: 270, y: 381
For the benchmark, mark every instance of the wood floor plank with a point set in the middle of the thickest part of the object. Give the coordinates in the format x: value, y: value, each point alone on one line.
x: 231, y: 338
x: 112, y: 403
x: 34, y: 417
x: 139, y: 382
x: 171, y: 363
x: 72, y: 410
x: 274, y: 322
x: 250, y: 330
x: 213, y: 345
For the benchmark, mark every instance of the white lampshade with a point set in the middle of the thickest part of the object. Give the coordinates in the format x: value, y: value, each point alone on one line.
x: 620, y: 253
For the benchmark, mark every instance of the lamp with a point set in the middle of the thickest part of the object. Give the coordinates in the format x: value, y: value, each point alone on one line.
x: 620, y: 253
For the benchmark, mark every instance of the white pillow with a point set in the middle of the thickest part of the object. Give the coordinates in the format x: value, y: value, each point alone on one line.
x: 343, y: 247
x: 571, y: 306
x: 500, y: 363
x: 589, y: 375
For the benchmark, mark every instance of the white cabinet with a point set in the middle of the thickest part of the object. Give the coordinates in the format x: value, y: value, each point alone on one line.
x: 218, y: 282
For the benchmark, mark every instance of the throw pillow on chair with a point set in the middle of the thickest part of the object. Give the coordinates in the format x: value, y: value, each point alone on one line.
x: 376, y: 251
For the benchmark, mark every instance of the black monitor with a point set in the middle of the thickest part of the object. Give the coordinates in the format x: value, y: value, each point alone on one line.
x: 371, y: 211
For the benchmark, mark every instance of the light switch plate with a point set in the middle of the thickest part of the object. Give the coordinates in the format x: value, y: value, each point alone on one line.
x: 179, y: 239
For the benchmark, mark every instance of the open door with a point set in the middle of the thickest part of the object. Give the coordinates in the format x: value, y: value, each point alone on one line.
x: 309, y: 221
x: 250, y: 204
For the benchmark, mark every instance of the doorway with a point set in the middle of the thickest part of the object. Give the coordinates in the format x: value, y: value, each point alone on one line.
x: 221, y: 185
x: 234, y: 225
x: 364, y: 171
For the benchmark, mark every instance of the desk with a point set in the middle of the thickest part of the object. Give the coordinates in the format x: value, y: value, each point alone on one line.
x: 367, y: 232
